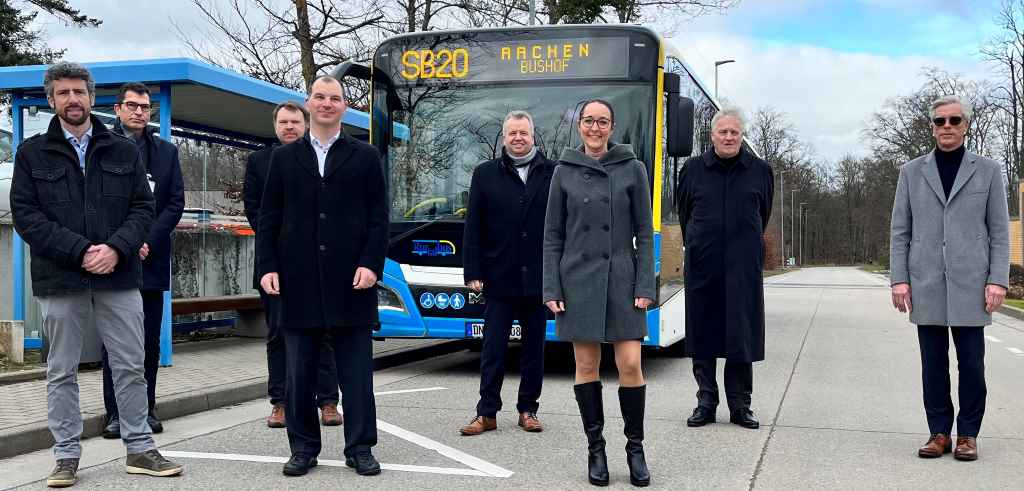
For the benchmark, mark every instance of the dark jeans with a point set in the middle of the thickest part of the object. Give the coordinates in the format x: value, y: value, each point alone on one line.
x: 498, y: 318
x: 739, y: 383
x: 970, y: 358
x: 327, y: 379
x: 153, y: 310
x: 353, y: 355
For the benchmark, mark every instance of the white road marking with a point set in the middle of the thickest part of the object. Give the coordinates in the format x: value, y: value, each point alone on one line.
x: 1015, y: 351
x: 993, y: 339
x: 406, y: 391
x: 324, y: 462
x: 457, y: 455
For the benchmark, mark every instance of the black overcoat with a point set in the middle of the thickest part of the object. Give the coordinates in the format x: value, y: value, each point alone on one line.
x: 504, y: 235
x: 252, y: 195
x: 315, y: 231
x: 723, y: 212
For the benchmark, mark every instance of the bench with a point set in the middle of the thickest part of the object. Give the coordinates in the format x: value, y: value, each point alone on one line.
x: 250, y: 323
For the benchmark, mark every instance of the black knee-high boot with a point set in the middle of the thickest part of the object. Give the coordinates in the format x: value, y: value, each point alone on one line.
x: 632, y: 401
x: 588, y: 397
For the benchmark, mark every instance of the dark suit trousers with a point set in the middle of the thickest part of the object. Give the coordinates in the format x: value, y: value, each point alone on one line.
x: 739, y: 383
x: 327, y: 379
x: 498, y: 318
x: 353, y: 356
x: 153, y: 310
x: 970, y: 357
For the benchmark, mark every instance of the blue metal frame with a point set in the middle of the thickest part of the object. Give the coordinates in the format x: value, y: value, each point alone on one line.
x: 166, y: 351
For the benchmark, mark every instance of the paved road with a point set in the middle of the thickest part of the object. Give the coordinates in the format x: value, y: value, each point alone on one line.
x: 839, y: 398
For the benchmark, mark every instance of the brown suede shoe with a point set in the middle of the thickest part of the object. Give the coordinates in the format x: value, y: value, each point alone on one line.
x: 329, y: 415
x: 530, y: 423
x: 937, y: 445
x: 479, y: 425
x: 966, y: 448
x: 276, y: 418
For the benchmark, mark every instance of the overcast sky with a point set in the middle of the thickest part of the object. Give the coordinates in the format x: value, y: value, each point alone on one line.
x: 828, y: 64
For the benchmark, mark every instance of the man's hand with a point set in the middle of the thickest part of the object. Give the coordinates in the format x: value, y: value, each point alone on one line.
x: 144, y: 251
x: 476, y: 285
x: 100, y: 259
x: 642, y: 303
x: 270, y: 284
x: 555, y: 306
x: 363, y: 279
x: 994, y: 295
x: 901, y: 297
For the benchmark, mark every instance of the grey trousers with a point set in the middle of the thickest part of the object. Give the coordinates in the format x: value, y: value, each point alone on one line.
x: 118, y: 319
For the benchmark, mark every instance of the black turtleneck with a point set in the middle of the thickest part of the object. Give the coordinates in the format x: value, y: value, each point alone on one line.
x: 728, y: 163
x: 948, y: 164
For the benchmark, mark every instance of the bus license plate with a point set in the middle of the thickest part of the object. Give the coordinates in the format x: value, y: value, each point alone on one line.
x: 476, y: 330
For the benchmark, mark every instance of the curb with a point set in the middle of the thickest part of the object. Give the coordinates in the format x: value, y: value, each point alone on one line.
x: 1011, y: 311
x: 36, y: 436
x: 22, y: 376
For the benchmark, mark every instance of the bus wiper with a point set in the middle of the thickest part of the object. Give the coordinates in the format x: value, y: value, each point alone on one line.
x: 402, y: 236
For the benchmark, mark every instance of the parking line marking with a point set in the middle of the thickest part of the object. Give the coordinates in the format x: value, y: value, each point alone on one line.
x: 1015, y: 351
x: 324, y: 462
x: 457, y: 455
x: 993, y: 339
x: 406, y: 391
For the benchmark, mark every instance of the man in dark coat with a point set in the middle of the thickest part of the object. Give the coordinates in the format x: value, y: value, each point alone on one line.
x: 80, y: 200
x: 502, y: 257
x: 163, y: 171
x: 322, y: 241
x: 725, y: 200
x: 290, y: 123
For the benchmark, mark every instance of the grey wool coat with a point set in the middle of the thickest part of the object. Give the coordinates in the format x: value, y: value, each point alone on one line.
x: 949, y: 250
x: 596, y: 208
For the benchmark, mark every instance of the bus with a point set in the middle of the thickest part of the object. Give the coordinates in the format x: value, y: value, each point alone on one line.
x: 438, y: 100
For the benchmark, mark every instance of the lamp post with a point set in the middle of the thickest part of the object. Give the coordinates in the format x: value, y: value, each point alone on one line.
x: 792, y: 220
x: 782, y: 219
x: 533, y: 11
x: 800, y: 233
x: 717, y: 64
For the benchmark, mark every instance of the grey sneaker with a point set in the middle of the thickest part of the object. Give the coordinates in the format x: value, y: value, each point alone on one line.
x: 151, y: 463
x: 64, y: 475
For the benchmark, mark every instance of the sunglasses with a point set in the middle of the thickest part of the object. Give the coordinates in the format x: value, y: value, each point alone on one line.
x: 953, y: 121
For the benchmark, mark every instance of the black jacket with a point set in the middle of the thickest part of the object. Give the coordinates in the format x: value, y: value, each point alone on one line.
x: 161, y: 160
x: 60, y: 211
x: 315, y: 231
x: 504, y: 236
x: 252, y: 194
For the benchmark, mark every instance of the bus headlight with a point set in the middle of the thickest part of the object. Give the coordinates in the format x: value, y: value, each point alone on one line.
x: 389, y: 299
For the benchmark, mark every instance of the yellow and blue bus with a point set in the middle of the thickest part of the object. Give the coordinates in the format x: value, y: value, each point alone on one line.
x: 438, y: 100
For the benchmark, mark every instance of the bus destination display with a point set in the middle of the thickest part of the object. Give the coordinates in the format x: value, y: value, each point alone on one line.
x: 469, y: 60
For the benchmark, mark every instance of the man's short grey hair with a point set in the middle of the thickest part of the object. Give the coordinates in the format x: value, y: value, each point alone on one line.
x: 517, y: 115
x: 946, y: 100
x: 68, y: 69
x: 732, y: 111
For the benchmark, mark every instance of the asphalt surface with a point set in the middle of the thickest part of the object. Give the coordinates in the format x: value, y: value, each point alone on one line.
x: 839, y: 399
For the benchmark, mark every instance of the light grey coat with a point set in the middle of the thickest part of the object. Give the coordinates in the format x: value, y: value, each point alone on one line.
x: 949, y: 250
x: 595, y: 210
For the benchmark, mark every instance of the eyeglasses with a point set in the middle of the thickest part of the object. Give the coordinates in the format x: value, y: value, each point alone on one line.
x: 601, y: 123
x: 953, y: 121
x: 134, y: 106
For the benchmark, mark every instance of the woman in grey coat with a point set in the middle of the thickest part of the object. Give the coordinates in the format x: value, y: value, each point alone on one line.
x: 599, y: 277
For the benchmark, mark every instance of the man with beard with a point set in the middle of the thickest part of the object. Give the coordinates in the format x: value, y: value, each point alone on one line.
x: 81, y: 201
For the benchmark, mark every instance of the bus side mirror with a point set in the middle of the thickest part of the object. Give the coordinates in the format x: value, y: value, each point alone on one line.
x: 680, y: 126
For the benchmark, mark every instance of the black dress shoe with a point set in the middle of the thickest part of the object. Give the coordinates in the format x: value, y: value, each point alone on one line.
x: 701, y: 416
x: 113, y: 429
x: 299, y: 465
x: 154, y: 423
x: 364, y: 464
x: 744, y: 418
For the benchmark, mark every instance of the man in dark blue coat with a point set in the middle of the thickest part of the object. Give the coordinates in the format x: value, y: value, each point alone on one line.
x: 725, y: 200
x: 502, y: 257
x: 163, y: 172
x: 323, y: 236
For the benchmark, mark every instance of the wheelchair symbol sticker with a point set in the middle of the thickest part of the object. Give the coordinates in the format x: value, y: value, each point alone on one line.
x: 427, y: 300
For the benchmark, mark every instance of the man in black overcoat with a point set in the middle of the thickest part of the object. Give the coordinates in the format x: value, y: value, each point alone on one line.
x: 502, y: 257
x: 290, y: 123
x: 321, y: 245
x: 725, y: 200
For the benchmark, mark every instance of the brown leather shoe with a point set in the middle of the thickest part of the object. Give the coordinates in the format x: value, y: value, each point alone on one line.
x: 329, y: 415
x: 966, y: 448
x: 530, y: 423
x: 937, y: 445
x: 479, y: 425
x: 276, y: 418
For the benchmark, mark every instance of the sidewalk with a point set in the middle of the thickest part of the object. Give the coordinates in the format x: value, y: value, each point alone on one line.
x: 206, y: 375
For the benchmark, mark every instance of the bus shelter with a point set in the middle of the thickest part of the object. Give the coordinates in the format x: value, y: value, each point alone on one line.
x: 195, y: 101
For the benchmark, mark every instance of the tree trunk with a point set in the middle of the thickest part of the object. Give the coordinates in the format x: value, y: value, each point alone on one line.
x: 305, y: 39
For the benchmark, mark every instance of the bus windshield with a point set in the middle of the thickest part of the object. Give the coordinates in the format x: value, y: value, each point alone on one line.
x: 453, y: 129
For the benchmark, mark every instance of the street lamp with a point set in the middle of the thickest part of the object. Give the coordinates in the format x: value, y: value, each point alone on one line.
x: 800, y: 233
x: 782, y: 217
x: 792, y: 220
x: 717, y: 64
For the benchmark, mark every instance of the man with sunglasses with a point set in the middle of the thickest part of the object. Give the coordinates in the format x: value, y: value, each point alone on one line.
x: 949, y: 268
x: 163, y: 172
